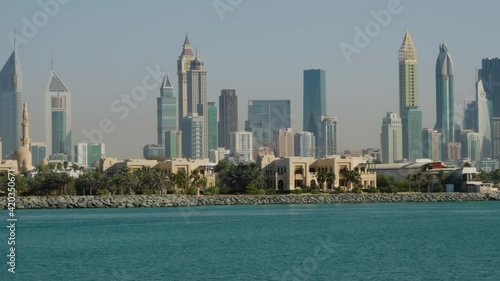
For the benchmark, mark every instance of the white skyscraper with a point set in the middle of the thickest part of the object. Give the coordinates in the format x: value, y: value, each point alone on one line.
x: 391, y: 138
x: 241, y: 146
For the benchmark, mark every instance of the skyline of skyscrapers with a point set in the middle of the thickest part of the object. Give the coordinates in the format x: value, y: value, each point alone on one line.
x: 11, y: 105
x: 58, y: 117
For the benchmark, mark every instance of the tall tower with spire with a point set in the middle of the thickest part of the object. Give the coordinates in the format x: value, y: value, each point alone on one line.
x: 57, y: 116
x: 183, y: 66
x: 444, y: 95
x: 411, y: 117
x: 166, y: 110
x: 11, y: 105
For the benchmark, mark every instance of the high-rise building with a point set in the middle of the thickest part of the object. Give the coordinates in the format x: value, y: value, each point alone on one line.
x: 444, y: 95
x: 469, y: 142
x: 57, y: 117
x: 241, y: 146
x: 484, y: 121
x: 153, y: 151
x: 408, y: 88
x: 453, y: 151
x: 314, y: 100
x: 327, y: 144
x: 411, y: 117
x: 432, y: 145
x: 183, y: 66
x: 228, y: 116
x: 192, y: 127
x: 173, y: 144
x: 216, y: 155
x: 266, y: 117
x: 489, y: 75
x: 38, y: 153
x: 305, y: 144
x: 212, y: 126
x: 166, y: 110
x: 391, y: 138
x: 470, y: 115
x: 89, y: 154
x: 412, y: 133
x: 11, y: 105
x: 197, y: 92
x: 284, y: 140
x: 1, y: 147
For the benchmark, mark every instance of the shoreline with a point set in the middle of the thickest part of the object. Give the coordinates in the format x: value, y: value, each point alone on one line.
x: 162, y: 201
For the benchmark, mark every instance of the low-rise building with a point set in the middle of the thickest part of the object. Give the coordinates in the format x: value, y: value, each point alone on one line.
x: 290, y: 173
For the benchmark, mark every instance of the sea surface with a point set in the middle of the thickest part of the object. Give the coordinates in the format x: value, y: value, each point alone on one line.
x: 396, y: 241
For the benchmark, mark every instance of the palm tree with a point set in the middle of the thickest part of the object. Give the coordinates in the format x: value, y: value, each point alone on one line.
x: 159, y: 181
x: 181, y: 180
x: 321, y: 177
x: 351, y: 177
x: 410, y: 178
x: 330, y: 179
x: 429, y: 177
x: 418, y: 177
x: 253, y: 175
x: 441, y: 177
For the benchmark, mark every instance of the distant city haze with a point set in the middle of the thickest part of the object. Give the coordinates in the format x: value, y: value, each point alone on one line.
x: 102, y: 50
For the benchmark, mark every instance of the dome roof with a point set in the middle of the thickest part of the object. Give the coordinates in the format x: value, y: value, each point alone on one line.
x: 21, y: 154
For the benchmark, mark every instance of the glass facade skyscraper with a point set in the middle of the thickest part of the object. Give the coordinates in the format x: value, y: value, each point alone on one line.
x: 166, y: 110
x: 444, y: 95
x: 314, y: 100
x: 266, y: 117
x: 228, y: 116
x: 412, y: 133
x: 11, y: 105
x: 490, y: 78
x: 58, y: 117
x: 391, y: 138
x: 212, y: 126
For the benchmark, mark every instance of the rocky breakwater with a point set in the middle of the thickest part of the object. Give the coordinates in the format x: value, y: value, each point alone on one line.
x: 143, y: 201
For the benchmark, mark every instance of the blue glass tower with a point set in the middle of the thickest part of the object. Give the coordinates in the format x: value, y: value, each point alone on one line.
x: 314, y: 100
x: 166, y: 110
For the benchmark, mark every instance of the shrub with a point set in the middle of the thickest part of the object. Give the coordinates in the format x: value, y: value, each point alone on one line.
x: 338, y: 190
x: 213, y: 190
x: 357, y: 189
x: 103, y: 192
x: 191, y: 190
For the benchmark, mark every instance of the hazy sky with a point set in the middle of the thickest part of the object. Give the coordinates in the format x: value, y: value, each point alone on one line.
x: 259, y: 47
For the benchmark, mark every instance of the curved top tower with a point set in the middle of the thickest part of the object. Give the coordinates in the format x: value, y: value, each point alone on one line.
x: 444, y: 95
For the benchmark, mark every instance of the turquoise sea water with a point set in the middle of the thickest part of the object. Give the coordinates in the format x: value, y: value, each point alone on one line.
x: 421, y: 241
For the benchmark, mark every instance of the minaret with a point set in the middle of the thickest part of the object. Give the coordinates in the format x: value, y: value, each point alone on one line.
x: 25, y: 140
x: 444, y: 95
x: 183, y: 66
